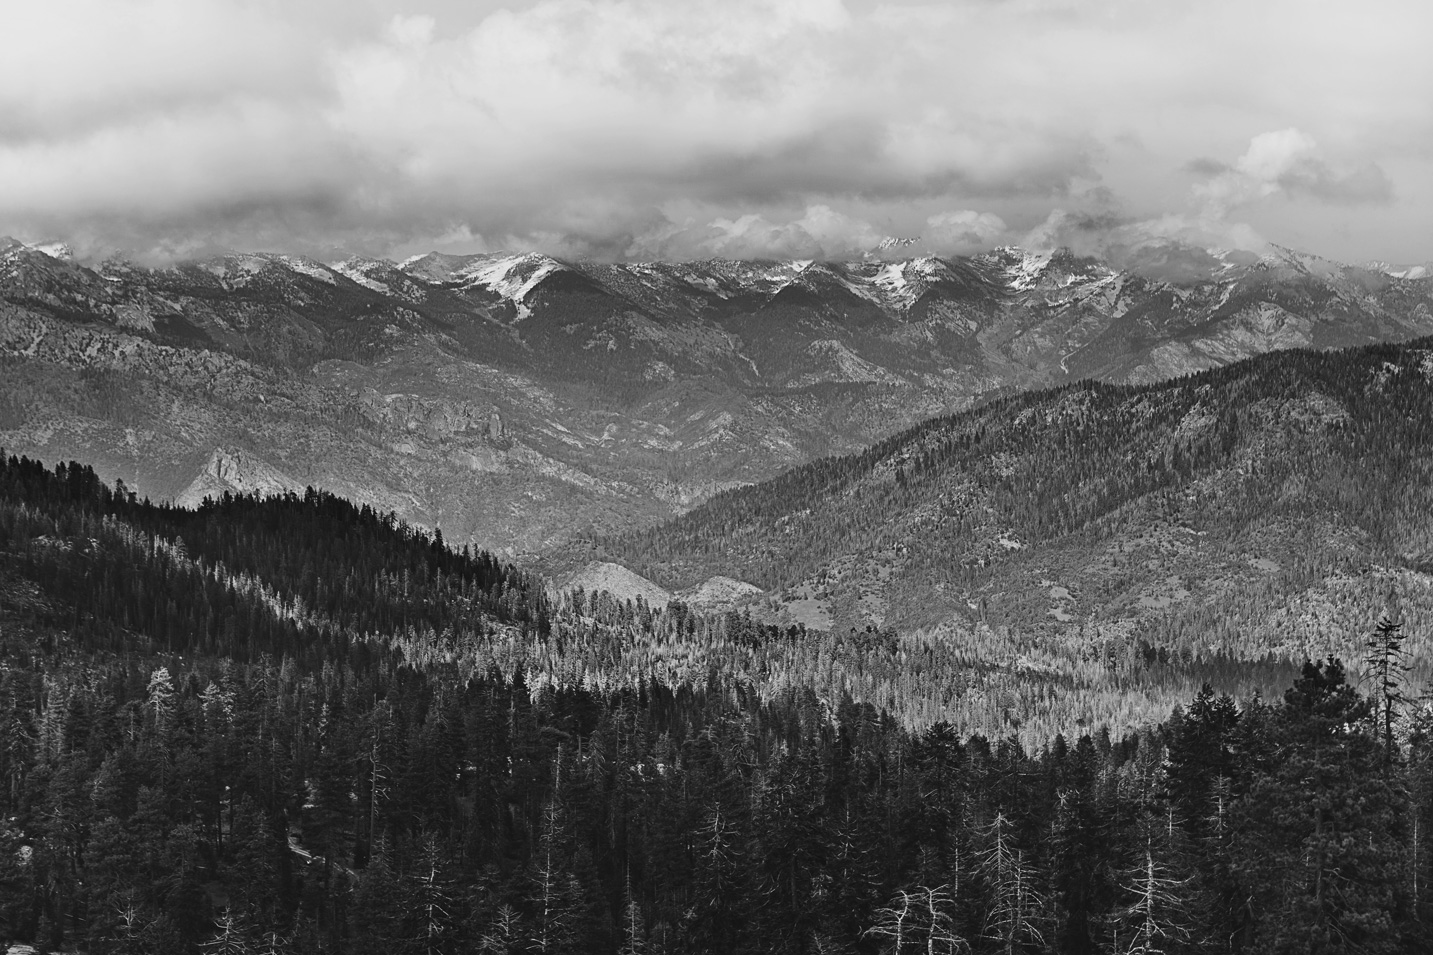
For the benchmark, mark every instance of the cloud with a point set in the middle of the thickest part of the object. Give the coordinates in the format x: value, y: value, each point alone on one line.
x: 1109, y: 235
x: 1206, y: 167
x: 1286, y: 162
x: 629, y: 127
x: 1282, y: 164
x: 964, y: 231
x: 1173, y: 247
x: 819, y: 232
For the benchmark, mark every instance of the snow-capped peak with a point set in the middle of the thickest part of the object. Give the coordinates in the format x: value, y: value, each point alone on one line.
x: 896, y: 285
x: 895, y: 242
x: 512, y: 276
x: 1305, y: 262
x: 56, y: 250
x: 1022, y: 268
x: 308, y: 267
x: 1400, y: 271
x: 357, y: 270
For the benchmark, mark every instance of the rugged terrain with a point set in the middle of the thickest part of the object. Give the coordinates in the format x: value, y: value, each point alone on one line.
x: 519, y: 402
x: 1270, y: 508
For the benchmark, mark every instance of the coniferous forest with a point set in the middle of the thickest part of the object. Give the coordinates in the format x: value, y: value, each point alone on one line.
x: 296, y: 725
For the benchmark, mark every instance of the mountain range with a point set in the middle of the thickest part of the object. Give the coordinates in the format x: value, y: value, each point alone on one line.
x: 528, y: 404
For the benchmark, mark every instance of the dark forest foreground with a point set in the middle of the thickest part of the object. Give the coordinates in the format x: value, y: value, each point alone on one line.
x: 195, y: 761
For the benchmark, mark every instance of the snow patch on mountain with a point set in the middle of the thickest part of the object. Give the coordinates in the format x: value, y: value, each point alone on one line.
x: 903, y: 283
x: 892, y: 279
x: 235, y: 271
x: 352, y: 269
x: 1410, y: 272
x: 413, y: 260
x: 306, y: 267
x: 56, y: 250
x: 513, y: 277
x: 896, y: 242
x: 1024, y: 269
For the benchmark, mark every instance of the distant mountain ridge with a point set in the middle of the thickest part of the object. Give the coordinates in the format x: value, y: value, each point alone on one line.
x: 520, y: 401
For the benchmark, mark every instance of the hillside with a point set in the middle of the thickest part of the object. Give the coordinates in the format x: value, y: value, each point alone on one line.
x: 316, y: 578
x: 1267, y: 507
x: 519, y: 402
x: 293, y: 725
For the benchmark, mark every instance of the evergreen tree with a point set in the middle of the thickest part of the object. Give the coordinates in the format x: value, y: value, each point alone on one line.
x: 1322, y: 826
x: 1387, y: 663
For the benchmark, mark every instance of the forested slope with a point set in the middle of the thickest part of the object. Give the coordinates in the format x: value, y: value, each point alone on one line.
x: 1268, y: 507
x: 314, y: 577
x: 296, y: 726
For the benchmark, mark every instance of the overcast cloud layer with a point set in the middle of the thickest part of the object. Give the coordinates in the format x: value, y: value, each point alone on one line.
x: 675, y: 129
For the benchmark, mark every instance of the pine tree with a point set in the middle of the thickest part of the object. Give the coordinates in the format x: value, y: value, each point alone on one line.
x: 1157, y: 920
x: 634, y: 935
x: 380, y: 907
x: 1387, y: 663
x: 1420, y: 824
x: 230, y: 937
x: 1320, y: 826
x: 1016, y: 909
x: 719, y: 881
x: 921, y: 922
x: 432, y: 901
x: 555, y: 895
x: 161, y: 698
x: 506, y: 934
x: 1199, y: 754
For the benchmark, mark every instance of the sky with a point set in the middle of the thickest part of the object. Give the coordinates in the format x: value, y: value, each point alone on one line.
x: 680, y: 129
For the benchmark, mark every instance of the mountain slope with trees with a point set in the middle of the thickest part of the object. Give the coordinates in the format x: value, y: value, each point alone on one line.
x: 1261, y: 508
x: 298, y: 725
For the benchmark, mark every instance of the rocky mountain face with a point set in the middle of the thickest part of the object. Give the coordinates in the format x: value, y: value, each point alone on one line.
x: 1275, y: 506
x: 521, y: 402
